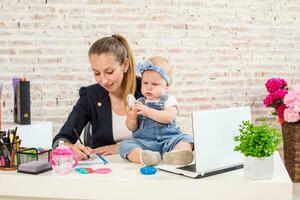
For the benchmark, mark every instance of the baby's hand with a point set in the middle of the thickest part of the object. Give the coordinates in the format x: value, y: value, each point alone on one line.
x: 141, y: 109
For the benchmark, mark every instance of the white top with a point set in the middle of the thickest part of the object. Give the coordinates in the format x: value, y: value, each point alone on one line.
x: 120, y: 130
x: 171, y: 101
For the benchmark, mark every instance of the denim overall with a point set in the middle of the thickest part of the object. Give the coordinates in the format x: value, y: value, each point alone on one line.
x: 152, y: 135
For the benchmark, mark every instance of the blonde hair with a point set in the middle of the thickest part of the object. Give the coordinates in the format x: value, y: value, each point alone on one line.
x: 119, y: 47
x: 163, y: 63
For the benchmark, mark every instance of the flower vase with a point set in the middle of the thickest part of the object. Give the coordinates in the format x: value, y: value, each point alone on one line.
x: 291, y: 149
x: 259, y: 168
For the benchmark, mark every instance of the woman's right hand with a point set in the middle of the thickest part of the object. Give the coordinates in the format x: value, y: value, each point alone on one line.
x: 80, y: 150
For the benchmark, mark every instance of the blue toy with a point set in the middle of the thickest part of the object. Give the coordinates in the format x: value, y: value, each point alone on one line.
x: 148, y: 170
x: 81, y: 170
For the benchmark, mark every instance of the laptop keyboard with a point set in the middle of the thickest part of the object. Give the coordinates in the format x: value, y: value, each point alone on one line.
x: 191, y: 168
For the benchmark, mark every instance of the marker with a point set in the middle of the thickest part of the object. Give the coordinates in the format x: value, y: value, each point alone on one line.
x: 103, y: 159
x: 80, y: 141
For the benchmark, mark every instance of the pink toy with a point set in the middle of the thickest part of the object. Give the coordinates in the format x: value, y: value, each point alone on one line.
x: 102, y: 171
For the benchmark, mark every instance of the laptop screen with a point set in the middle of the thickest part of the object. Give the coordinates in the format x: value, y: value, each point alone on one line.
x: 214, y: 131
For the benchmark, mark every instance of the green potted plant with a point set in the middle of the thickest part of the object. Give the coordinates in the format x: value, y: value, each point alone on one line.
x: 257, y: 143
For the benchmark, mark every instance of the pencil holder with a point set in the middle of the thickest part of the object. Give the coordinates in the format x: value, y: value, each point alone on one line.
x: 30, y: 154
x: 9, y: 156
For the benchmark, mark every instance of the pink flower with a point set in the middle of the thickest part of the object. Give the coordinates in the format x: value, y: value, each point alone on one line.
x: 286, y: 103
x: 274, y: 84
x: 290, y: 98
x: 280, y: 112
x: 279, y: 94
x: 290, y: 115
x: 268, y: 100
x: 297, y: 106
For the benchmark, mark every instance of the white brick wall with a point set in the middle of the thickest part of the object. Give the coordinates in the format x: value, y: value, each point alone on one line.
x: 222, y: 51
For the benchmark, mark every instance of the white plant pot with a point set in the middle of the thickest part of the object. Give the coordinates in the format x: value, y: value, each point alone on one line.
x: 258, y: 168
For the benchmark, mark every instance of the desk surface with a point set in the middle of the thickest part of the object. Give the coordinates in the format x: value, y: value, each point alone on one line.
x: 125, y: 182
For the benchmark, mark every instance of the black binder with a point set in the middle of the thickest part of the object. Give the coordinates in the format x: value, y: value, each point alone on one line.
x: 22, y: 101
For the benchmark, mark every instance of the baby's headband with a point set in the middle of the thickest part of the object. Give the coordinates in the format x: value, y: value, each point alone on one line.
x: 149, y: 66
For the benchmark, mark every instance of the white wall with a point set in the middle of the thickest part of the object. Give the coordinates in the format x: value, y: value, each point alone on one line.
x: 222, y: 51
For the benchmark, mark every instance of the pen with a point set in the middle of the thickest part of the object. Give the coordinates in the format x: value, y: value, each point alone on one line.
x: 80, y: 140
x: 103, y: 159
x: 15, y: 134
x: 11, y: 136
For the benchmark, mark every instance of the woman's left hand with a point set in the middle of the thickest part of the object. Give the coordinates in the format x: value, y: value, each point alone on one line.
x: 107, y: 150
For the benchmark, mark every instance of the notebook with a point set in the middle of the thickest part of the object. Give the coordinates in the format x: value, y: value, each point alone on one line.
x: 213, y: 132
x: 94, y: 159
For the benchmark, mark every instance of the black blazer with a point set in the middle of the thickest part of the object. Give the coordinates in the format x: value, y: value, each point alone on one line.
x: 92, y: 106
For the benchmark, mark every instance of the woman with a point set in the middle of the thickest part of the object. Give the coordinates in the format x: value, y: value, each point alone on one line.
x: 103, y: 104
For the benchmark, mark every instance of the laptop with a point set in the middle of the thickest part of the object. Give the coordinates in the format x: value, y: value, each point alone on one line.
x: 213, y: 132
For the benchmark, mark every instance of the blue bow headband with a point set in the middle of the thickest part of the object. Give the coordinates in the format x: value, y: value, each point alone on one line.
x: 149, y: 66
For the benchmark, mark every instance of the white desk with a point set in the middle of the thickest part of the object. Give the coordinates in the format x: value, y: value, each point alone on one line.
x: 125, y: 182
x: 36, y: 134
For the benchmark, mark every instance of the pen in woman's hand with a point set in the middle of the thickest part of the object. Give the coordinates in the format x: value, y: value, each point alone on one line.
x: 75, y: 132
